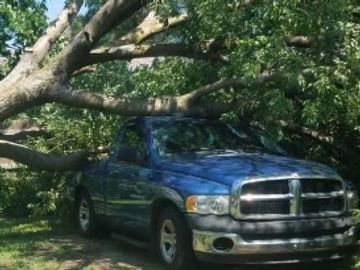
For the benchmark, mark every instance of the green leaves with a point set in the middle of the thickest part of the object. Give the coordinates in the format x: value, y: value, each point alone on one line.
x: 21, y: 23
x: 316, y: 86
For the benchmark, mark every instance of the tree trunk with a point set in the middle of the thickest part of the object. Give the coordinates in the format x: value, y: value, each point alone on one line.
x: 27, y: 93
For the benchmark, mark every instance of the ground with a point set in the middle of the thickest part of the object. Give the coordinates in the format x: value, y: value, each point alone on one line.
x: 39, y: 244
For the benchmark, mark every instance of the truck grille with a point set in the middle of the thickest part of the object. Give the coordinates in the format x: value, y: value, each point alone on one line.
x: 289, y: 198
x: 265, y: 207
x: 323, y: 205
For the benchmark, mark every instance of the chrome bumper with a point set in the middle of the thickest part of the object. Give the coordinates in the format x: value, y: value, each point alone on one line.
x: 203, y: 242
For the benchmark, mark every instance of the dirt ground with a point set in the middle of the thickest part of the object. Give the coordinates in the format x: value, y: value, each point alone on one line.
x: 80, y: 253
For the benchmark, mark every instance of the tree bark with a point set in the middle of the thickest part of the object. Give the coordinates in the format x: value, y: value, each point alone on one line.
x: 42, y: 161
x: 151, y: 25
x: 129, y: 52
x: 24, y: 135
x: 180, y: 105
x: 111, y: 14
x: 27, y: 93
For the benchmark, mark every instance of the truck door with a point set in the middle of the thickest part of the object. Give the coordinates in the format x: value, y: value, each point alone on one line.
x: 128, y: 183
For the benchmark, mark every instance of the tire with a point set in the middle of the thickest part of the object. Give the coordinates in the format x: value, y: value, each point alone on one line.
x: 174, y: 241
x: 85, y: 217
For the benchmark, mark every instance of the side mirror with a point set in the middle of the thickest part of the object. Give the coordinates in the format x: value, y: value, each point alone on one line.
x: 130, y: 154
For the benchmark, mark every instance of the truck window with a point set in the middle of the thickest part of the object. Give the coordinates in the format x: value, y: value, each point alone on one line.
x: 132, y: 139
x: 195, y: 136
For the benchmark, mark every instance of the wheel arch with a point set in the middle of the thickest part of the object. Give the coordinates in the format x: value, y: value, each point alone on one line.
x: 159, y: 205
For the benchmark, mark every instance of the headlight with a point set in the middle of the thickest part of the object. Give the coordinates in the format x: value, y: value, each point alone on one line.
x: 207, y: 205
x: 352, y: 196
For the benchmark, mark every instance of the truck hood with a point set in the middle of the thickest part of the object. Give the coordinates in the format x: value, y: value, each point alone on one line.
x: 229, y: 167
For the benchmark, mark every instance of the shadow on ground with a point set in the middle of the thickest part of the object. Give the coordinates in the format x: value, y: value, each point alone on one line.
x: 31, y: 245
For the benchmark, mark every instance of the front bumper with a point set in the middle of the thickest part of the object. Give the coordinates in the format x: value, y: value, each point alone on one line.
x: 275, y: 241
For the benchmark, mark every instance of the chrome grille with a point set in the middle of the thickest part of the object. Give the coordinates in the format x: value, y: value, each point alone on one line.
x: 285, y: 198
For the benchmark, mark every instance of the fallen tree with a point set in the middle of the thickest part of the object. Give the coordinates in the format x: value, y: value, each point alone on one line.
x: 31, y: 84
x: 36, y: 80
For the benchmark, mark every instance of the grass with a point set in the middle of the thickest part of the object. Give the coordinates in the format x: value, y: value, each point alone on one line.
x: 18, y: 239
x: 39, y: 245
x: 33, y: 244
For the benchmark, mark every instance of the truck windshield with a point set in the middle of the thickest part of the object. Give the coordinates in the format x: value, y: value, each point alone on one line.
x: 186, y: 137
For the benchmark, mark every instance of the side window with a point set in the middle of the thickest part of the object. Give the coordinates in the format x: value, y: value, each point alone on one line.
x: 131, y: 137
x: 132, y: 146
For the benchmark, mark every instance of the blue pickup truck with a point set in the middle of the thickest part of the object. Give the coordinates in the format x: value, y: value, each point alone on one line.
x: 199, y: 190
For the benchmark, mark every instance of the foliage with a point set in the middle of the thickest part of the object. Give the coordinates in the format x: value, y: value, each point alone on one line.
x: 317, y: 86
x: 21, y: 23
x: 24, y: 193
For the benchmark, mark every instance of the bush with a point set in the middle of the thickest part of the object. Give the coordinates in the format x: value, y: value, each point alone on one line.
x: 24, y: 193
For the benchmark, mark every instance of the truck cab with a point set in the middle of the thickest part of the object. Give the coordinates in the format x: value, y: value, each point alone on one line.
x: 199, y: 190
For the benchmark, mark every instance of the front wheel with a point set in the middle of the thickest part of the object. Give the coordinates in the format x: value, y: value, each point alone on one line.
x: 174, y: 241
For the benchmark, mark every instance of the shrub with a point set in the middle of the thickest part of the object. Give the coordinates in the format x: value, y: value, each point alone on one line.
x: 24, y: 193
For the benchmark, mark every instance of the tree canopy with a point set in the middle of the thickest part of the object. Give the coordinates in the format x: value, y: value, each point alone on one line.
x: 288, y: 66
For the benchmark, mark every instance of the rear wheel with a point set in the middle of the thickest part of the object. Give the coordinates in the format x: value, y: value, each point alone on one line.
x: 85, y: 215
x: 174, y: 241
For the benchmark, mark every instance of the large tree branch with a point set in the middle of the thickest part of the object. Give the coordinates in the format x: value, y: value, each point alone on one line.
x: 112, y: 13
x: 23, y: 135
x: 183, y: 104
x: 143, y: 106
x: 151, y: 25
x: 129, y: 52
x: 42, y: 161
x: 32, y: 57
x: 195, y: 95
x: 122, y: 106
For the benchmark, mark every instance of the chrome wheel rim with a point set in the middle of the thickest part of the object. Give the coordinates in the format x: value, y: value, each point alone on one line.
x: 84, y: 215
x: 168, y: 241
